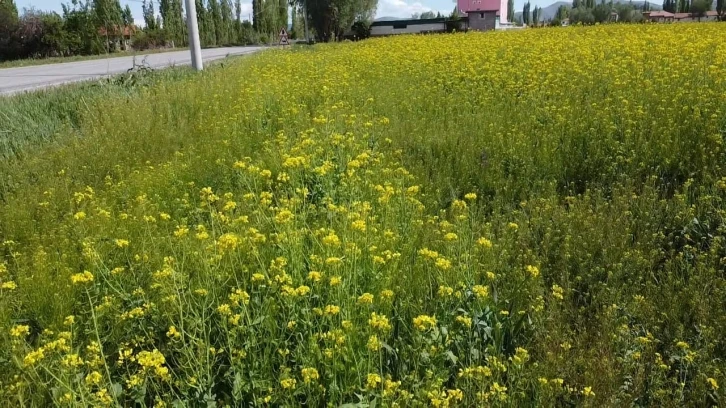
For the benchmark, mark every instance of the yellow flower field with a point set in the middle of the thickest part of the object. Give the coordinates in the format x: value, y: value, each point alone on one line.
x: 531, y: 218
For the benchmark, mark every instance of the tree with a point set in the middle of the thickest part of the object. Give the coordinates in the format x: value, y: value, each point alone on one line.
x: 330, y: 18
x: 147, y: 8
x: 282, y: 14
x: 256, y: 14
x: 700, y: 7
x: 8, y: 25
x: 601, y: 13
x: 107, y: 15
x: 683, y: 6
x: 562, y: 12
x: 225, y: 23
x: 81, y: 28
x: 427, y: 15
x: 214, y: 21
x: 172, y: 23
x: 510, y: 11
x: 721, y: 9
x: 582, y: 15
x: 526, y: 15
x: 127, y: 17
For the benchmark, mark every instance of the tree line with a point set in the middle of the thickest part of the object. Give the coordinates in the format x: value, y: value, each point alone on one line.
x: 87, y: 27
x: 589, y: 12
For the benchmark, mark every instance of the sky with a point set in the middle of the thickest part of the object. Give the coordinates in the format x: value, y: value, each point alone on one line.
x: 386, y: 8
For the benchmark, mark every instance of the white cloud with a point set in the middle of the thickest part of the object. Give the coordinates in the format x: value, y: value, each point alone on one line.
x: 400, y: 8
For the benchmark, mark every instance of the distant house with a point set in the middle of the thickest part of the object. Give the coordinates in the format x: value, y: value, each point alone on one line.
x: 688, y: 17
x: 119, y: 36
x: 659, y: 16
x: 479, y: 15
x: 409, y: 26
x: 484, y: 15
x: 666, y: 17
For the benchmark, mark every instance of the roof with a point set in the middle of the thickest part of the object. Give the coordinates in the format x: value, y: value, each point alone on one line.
x: 479, y: 5
x: 682, y: 15
x: 659, y: 14
x: 410, y: 21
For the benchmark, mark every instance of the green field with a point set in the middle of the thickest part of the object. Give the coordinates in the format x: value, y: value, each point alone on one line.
x: 530, y: 218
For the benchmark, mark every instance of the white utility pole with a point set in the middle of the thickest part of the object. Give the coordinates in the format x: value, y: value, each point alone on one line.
x: 193, y: 28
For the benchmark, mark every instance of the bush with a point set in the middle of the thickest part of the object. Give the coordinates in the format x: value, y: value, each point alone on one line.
x: 361, y: 29
x: 144, y: 40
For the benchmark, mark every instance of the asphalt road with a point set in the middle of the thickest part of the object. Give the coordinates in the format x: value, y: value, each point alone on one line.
x: 14, y: 80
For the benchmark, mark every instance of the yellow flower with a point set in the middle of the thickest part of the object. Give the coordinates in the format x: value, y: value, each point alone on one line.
x: 20, y: 330
x: 365, y: 299
x: 33, y: 357
x: 181, y: 231
x: 69, y: 320
x: 424, y: 322
x: 335, y: 280
x: 379, y: 322
x: 288, y: 383
x: 333, y: 261
x: 427, y: 253
x: 82, y: 277
x: 315, y: 276
x: 258, y: 277
x: 481, y: 292
x: 284, y: 216
x: 228, y: 242
x: 443, y: 264
x: 173, y: 332
x: 712, y: 383
x: 9, y: 285
x: 80, y: 215
x: 445, y: 291
x: 532, y: 270
x: 149, y: 360
x: 331, y: 240
x: 470, y: 196
x: 464, y: 320
x: 359, y: 225
x: 122, y: 243
x: 450, y: 236
x: 373, y: 381
x: 386, y: 294
x: 484, y: 243
x: 309, y: 375
x: 104, y: 397
x: 72, y: 360
x: 373, y: 343
x: 94, y: 378
x: 332, y: 310
x: 557, y: 292
x: 587, y: 391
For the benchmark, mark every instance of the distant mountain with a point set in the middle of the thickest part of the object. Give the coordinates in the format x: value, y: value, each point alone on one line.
x: 549, y: 12
x: 388, y: 19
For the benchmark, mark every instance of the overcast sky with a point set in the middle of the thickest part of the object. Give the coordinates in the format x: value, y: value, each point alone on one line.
x: 387, y: 8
